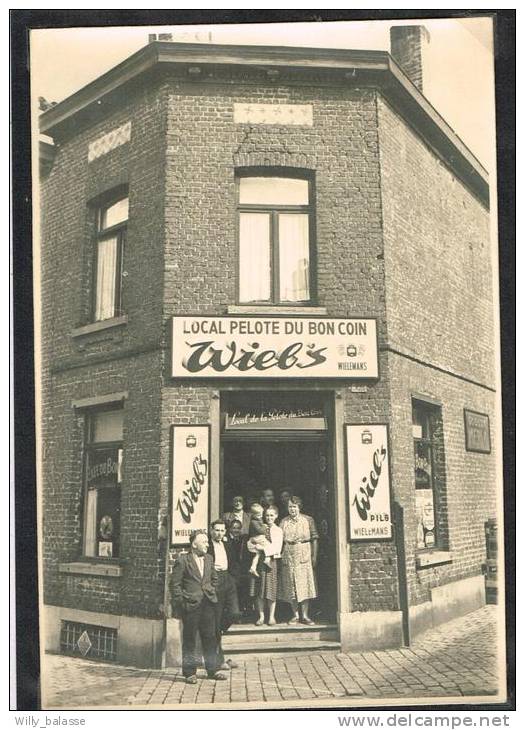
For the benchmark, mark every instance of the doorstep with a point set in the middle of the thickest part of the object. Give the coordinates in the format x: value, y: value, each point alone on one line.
x: 243, y: 639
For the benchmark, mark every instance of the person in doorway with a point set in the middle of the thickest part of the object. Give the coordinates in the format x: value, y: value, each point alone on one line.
x: 194, y: 600
x: 284, y: 498
x: 238, y: 513
x: 267, y: 498
x: 241, y: 566
x: 251, y: 499
x: 237, y: 544
x: 258, y: 538
x: 264, y: 588
x: 234, y: 538
x: 227, y: 600
x: 297, y: 584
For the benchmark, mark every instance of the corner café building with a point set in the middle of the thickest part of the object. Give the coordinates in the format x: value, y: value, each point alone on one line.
x: 263, y: 267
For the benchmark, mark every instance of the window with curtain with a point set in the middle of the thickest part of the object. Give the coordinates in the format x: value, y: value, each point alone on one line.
x: 429, y: 473
x: 111, y: 229
x: 103, y: 479
x: 275, y: 222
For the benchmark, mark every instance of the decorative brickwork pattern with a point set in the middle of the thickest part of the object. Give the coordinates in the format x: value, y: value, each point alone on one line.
x: 285, y: 114
x: 110, y: 141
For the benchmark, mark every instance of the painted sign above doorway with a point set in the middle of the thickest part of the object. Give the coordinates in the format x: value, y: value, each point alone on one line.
x: 277, y: 418
x: 274, y: 411
x: 273, y: 347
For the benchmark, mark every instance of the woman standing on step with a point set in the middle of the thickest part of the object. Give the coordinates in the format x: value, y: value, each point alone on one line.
x: 264, y: 587
x: 296, y: 575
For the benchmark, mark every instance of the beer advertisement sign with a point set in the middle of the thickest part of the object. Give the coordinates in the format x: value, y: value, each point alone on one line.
x: 368, y: 479
x: 274, y: 347
x: 190, y: 460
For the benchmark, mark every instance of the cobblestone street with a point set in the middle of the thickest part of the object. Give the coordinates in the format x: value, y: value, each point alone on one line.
x: 456, y: 660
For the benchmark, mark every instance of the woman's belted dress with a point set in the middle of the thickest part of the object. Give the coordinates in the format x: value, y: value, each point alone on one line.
x: 296, y: 574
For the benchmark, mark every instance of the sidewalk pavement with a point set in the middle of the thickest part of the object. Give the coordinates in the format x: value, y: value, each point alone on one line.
x: 457, y: 660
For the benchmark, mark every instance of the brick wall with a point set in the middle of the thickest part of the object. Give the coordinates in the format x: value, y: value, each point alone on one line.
x: 113, y: 360
x: 437, y: 257
x: 139, y: 591
x: 439, y: 311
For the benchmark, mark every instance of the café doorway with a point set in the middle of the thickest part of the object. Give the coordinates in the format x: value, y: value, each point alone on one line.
x: 290, y: 451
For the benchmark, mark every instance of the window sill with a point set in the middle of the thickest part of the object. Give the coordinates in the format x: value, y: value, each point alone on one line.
x: 104, y: 324
x: 87, y: 568
x: 431, y: 559
x: 276, y: 309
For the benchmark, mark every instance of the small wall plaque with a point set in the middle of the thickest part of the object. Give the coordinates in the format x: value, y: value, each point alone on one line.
x: 477, y: 432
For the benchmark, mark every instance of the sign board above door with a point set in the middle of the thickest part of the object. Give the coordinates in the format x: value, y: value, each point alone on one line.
x: 274, y: 347
x: 308, y: 419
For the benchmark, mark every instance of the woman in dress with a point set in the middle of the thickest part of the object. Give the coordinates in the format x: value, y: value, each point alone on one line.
x: 296, y: 575
x: 264, y: 587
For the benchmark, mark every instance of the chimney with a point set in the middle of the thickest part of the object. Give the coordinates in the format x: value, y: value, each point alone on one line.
x: 406, y: 48
x: 152, y: 37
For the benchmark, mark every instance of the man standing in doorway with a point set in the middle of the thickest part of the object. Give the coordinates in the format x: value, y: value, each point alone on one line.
x: 194, y: 600
x: 238, y: 513
x: 267, y: 498
x: 284, y: 498
x: 227, y: 610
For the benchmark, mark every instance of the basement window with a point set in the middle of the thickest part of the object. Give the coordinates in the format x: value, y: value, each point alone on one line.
x: 91, y: 642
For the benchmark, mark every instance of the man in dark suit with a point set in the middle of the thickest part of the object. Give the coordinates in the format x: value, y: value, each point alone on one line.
x: 225, y: 559
x: 239, y: 565
x: 194, y: 600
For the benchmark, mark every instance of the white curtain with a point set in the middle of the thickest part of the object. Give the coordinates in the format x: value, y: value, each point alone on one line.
x: 294, y: 257
x: 106, y: 278
x: 90, y: 538
x: 254, y: 257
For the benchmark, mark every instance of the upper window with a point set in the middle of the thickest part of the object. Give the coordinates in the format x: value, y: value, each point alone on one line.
x: 275, y: 223
x: 103, y: 477
x: 111, y: 229
x: 429, y: 472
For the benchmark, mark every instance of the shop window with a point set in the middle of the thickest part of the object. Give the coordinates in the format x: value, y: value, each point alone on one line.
x: 111, y: 222
x: 103, y: 479
x: 275, y: 239
x: 429, y: 474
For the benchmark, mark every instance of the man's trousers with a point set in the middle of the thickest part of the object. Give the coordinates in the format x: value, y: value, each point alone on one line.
x: 201, y: 619
x: 227, y: 609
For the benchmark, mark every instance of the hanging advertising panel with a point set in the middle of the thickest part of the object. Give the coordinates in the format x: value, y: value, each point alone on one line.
x: 190, y: 469
x: 273, y: 347
x: 368, y: 480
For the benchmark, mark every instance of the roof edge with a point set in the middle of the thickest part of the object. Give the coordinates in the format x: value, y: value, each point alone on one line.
x: 393, y: 81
